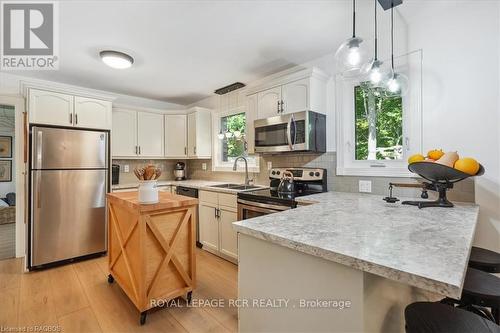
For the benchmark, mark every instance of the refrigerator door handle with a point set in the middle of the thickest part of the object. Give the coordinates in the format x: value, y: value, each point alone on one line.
x: 38, y: 152
x: 38, y: 188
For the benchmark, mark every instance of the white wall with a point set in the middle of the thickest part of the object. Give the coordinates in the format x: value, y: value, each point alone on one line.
x: 460, y: 42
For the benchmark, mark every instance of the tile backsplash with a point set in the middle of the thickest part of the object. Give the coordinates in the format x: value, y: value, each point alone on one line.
x: 463, y: 191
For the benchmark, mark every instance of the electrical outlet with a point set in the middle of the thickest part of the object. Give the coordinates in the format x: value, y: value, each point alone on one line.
x: 126, y: 168
x: 365, y: 186
x: 204, y: 166
x: 269, y: 165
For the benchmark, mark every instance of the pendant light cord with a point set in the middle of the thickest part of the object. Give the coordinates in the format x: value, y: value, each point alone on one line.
x: 376, y: 32
x: 353, y: 18
x: 392, y: 35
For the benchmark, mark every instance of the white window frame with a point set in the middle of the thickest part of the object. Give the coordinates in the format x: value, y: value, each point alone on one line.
x: 347, y: 165
x: 217, y: 164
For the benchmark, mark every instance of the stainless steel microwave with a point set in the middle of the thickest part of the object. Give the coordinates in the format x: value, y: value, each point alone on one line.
x: 300, y: 131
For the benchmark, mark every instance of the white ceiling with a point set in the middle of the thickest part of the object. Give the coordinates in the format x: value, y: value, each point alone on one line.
x: 184, y: 50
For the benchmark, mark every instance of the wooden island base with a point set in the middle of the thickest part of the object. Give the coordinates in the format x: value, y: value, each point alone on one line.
x: 151, y: 248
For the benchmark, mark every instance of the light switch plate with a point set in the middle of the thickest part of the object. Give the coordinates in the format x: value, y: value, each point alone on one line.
x: 204, y: 166
x: 126, y: 168
x: 365, y: 186
x: 269, y: 165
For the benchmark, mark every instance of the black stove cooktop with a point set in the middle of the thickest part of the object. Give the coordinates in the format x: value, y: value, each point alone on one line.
x: 307, y: 181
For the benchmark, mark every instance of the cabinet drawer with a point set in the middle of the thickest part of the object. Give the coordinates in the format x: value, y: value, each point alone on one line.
x: 207, y: 196
x: 228, y: 200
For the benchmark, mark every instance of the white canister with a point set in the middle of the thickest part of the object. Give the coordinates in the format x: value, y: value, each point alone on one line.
x: 148, y: 192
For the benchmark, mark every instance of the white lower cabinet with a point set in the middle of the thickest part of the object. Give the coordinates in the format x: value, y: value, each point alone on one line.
x: 217, y: 212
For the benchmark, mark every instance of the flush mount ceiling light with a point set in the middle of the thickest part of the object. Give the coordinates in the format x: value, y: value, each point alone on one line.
x: 397, y: 83
x: 353, y: 53
x: 116, y: 59
x: 374, y: 72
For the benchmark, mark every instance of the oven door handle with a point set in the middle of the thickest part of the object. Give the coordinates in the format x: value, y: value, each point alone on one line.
x: 262, y: 205
x: 289, y: 132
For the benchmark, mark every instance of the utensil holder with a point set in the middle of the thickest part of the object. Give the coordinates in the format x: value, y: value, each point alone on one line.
x: 148, y: 192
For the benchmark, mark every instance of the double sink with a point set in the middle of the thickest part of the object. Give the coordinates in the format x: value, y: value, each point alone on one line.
x: 236, y: 187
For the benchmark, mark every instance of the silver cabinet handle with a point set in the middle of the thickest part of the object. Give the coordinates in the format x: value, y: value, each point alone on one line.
x: 76, y: 118
x: 278, y: 106
x: 215, y: 212
x: 139, y: 150
x: 185, y: 150
x: 282, y: 106
x: 136, y: 150
x: 194, y: 150
x: 71, y: 118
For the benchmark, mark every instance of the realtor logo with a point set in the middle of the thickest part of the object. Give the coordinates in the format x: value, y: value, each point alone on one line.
x: 29, y: 35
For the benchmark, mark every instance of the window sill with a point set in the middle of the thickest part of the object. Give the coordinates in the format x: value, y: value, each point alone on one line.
x: 375, y: 172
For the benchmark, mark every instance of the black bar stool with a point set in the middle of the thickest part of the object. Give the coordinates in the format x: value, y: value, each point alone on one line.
x: 484, y: 260
x: 483, y: 289
x: 429, y: 317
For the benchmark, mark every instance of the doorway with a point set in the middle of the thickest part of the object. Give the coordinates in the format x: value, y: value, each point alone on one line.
x: 7, y: 183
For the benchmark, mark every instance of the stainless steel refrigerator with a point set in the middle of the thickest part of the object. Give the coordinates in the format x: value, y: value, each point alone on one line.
x: 69, y: 180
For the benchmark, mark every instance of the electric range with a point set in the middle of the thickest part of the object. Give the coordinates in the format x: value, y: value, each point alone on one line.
x: 261, y: 202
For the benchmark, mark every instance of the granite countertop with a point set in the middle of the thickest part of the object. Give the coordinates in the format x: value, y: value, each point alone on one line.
x: 166, y: 201
x: 427, y: 248
x: 193, y: 183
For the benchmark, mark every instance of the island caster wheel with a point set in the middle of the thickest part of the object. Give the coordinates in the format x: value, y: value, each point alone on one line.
x: 143, y: 317
x: 111, y: 279
x: 189, y: 297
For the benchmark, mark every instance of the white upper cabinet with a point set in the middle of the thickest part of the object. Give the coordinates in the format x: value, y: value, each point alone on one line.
x: 124, y: 133
x: 176, y: 135
x: 269, y: 102
x: 150, y: 134
x: 52, y: 108
x: 302, y: 90
x: 296, y: 96
x: 251, y: 115
x: 92, y: 113
x: 199, y: 137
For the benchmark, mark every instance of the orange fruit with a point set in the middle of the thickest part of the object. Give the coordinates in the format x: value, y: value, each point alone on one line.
x: 416, y: 158
x: 467, y: 165
x: 435, y: 154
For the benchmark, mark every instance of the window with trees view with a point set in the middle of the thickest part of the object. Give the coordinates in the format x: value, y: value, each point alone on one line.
x: 378, y: 125
x: 233, y: 143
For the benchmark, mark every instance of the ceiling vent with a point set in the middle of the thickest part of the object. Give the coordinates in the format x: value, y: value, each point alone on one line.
x: 229, y: 88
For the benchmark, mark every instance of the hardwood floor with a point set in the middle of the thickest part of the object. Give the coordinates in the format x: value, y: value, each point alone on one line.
x: 77, y: 298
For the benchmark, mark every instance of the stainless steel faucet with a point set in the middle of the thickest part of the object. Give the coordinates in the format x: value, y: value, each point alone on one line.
x: 247, y: 180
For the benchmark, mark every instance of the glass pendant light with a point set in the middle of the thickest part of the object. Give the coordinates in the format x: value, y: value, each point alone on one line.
x: 353, y: 53
x: 374, y: 72
x: 397, y: 83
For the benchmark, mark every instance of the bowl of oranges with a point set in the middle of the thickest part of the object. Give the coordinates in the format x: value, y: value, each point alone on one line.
x: 444, y: 167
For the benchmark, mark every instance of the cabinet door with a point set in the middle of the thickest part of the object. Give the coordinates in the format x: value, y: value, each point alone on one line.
x: 124, y: 133
x: 209, y: 229
x: 228, y: 236
x: 203, y: 134
x: 250, y: 116
x: 268, y: 102
x: 176, y: 135
x: 191, y: 134
x: 150, y: 134
x: 92, y: 113
x: 51, y: 108
x: 296, y: 96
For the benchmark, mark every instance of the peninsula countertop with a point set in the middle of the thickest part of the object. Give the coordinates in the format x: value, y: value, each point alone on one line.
x: 426, y: 248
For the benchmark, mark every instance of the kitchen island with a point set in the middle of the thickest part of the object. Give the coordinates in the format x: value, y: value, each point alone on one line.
x: 349, y: 263
x: 151, y: 247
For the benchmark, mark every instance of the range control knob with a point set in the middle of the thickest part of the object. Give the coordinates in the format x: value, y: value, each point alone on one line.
x: 316, y: 174
x: 278, y: 172
x: 273, y: 172
x: 311, y: 173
